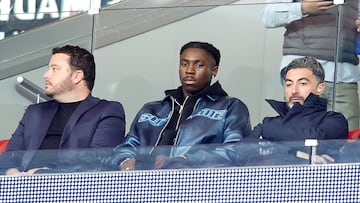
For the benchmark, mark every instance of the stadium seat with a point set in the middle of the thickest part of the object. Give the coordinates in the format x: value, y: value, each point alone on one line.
x: 354, y: 134
x: 3, y: 145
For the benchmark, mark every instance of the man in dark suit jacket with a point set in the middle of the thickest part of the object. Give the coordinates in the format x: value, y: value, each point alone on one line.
x: 73, y: 120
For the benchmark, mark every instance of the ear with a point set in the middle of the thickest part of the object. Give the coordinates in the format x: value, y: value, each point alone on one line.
x: 320, y: 88
x: 214, y: 71
x: 77, y: 76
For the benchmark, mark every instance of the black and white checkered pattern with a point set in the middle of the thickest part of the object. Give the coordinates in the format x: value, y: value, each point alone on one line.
x: 320, y: 183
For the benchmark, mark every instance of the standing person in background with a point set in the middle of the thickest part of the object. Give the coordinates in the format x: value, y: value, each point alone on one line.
x: 74, y: 119
x: 311, y: 30
x: 197, y: 112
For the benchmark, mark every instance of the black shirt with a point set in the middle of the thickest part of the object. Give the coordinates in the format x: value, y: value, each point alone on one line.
x: 53, y: 136
x: 52, y: 139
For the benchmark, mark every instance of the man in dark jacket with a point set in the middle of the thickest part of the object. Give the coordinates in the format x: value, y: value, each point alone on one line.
x: 164, y: 133
x: 303, y: 115
x: 73, y: 120
x: 311, y: 30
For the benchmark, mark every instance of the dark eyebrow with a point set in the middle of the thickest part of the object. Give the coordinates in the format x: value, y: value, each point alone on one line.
x: 304, y: 79
x: 188, y: 60
x: 288, y: 80
x: 54, y: 65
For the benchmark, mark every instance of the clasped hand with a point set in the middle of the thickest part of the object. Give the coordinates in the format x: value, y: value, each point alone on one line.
x: 130, y: 163
x: 16, y: 172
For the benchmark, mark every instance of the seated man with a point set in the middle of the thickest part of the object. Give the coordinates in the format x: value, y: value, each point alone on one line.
x: 73, y: 120
x: 303, y: 115
x: 310, y: 30
x: 195, y: 113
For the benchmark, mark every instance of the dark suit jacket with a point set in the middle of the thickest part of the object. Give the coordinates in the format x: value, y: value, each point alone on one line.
x: 94, y: 124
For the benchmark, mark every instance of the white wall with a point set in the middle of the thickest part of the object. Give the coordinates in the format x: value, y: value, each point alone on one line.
x: 139, y: 69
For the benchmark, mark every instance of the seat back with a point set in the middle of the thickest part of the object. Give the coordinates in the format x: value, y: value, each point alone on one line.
x: 3, y: 145
x: 354, y: 134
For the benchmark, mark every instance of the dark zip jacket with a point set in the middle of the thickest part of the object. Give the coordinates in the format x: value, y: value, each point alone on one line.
x: 308, y: 121
x: 213, y: 118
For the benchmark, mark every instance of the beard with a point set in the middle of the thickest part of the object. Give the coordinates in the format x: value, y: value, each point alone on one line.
x: 51, y: 95
x: 297, y: 98
x: 62, y: 87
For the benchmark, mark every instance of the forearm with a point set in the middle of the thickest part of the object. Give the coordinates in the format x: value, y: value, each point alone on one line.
x: 280, y: 13
x: 212, y: 155
x: 128, y: 149
x: 237, y: 123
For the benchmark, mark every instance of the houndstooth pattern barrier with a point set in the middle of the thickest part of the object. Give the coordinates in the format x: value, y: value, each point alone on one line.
x: 320, y: 183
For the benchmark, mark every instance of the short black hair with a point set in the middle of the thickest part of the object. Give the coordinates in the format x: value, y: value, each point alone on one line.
x: 215, y: 53
x: 308, y: 62
x: 80, y: 59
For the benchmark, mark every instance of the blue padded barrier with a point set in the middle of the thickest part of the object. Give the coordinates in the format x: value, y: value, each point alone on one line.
x: 317, y: 183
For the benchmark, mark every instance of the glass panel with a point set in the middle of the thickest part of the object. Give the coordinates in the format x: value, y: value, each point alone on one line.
x: 195, y: 156
x: 144, y: 43
x: 327, y: 35
x: 266, y: 153
x: 137, y: 49
x: 24, y: 15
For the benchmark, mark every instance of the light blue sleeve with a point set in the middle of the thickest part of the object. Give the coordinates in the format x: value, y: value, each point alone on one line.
x: 279, y: 13
x: 359, y: 9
